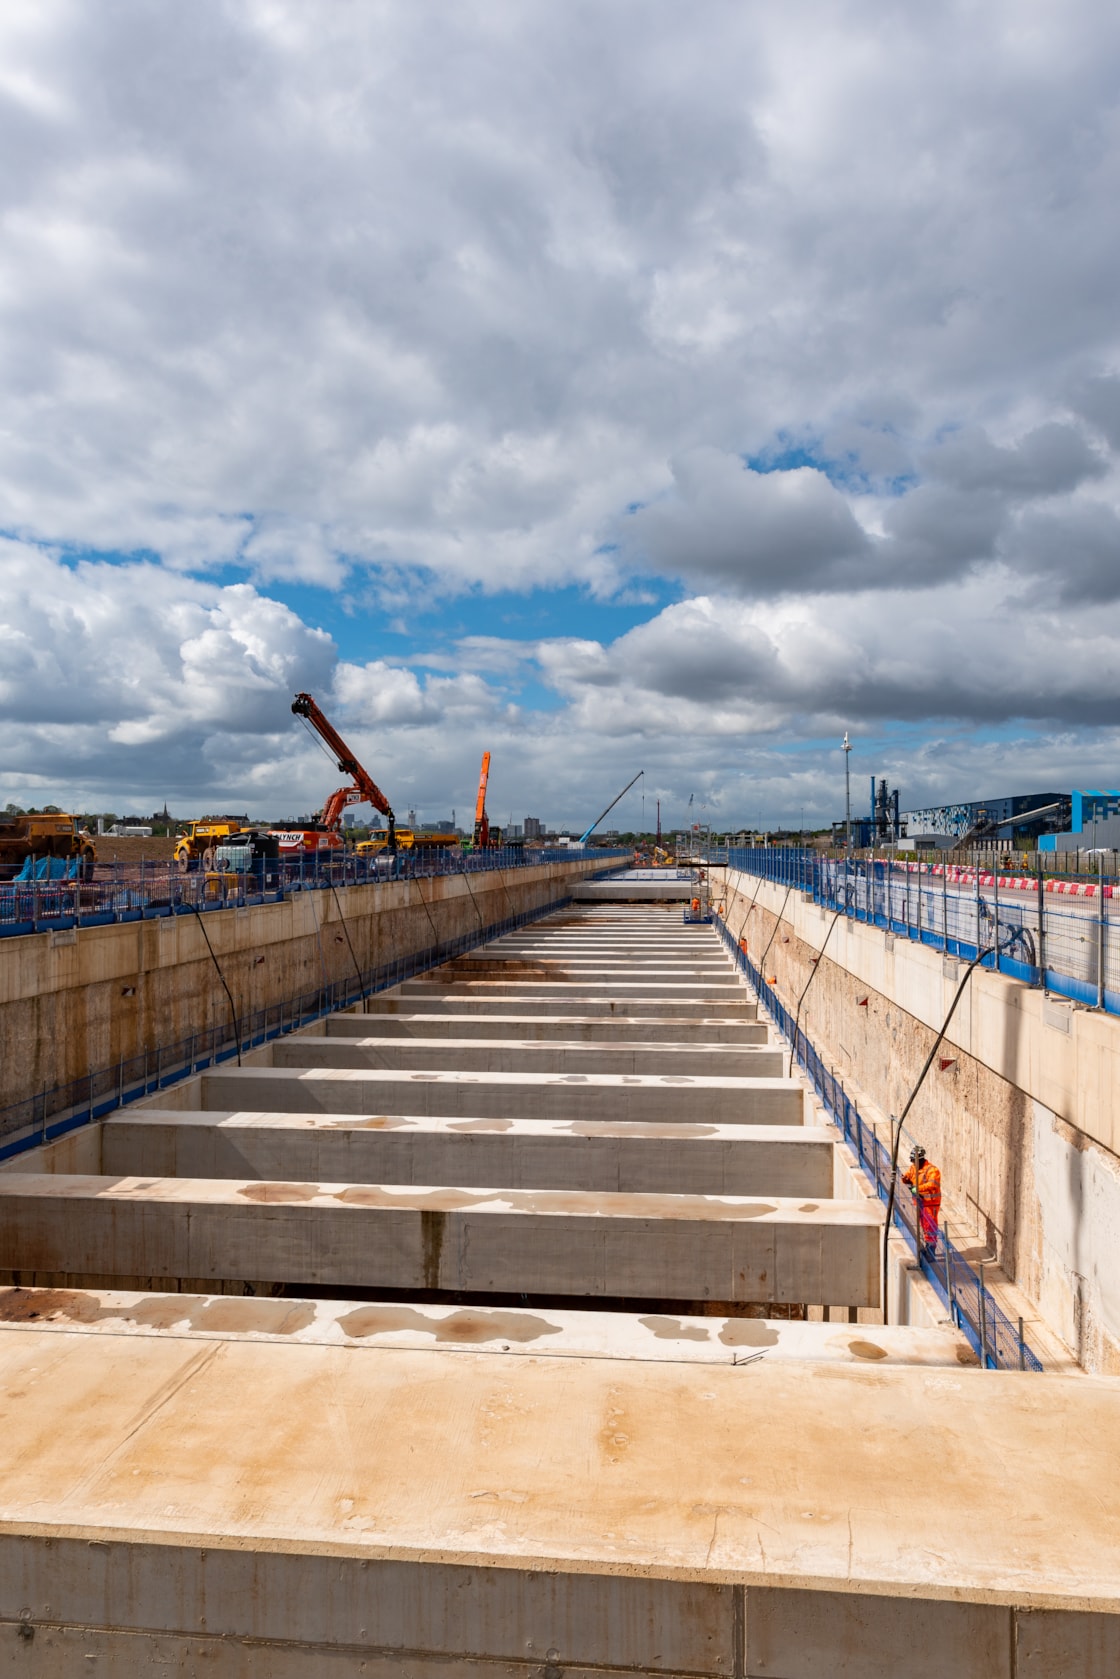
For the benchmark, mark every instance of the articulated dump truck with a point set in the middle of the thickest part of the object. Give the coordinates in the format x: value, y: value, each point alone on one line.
x: 52, y: 834
x: 199, y: 845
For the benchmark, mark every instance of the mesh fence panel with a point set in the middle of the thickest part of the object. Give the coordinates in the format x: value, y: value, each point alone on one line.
x: 62, y: 1108
x: 971, y: 1304
x: 1061, y: 935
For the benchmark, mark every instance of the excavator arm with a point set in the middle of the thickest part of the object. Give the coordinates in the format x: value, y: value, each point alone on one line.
x: 363, y: 788
x: 481, y: 821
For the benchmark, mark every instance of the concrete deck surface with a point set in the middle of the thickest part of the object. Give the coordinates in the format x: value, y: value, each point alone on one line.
x: 548, y: 1028
x: 737, y: 1006
x: 773, y: 1474
x: 509, y: 1054
x: 597, y: 1155
x: 555, y: 1242
x: 686, y: 988
x: 418, y: 1327
x: 372, y: 1091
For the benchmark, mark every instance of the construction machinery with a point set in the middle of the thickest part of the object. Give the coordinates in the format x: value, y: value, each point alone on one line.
x: 407, y: 840
x: 986, y: 827
x: 46, y: 834
x: 587, y: 832
x: 247, y: 860
x: 362, y: 788
x: 484, y: 835
x: 201, y: 840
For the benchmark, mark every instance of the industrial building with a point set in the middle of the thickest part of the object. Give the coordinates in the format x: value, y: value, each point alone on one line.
x: 1012, y: 819
x: 1094, y: 823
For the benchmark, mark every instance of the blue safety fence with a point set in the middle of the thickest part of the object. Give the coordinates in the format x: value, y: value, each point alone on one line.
x: 135, y: 891
x: 1045, y: 931
x: 997, y: 1341
x: 64, y: 1107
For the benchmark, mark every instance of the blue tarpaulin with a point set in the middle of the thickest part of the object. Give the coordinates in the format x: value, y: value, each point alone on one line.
x: 50, y: 868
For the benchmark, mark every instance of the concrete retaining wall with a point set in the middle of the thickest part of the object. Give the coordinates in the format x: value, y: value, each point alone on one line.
x: 1024, y: 1121
x: 77, y: 1002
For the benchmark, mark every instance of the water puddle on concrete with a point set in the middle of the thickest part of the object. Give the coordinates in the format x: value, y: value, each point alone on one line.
x: 672, y: 1329
x: 465, y: 1328
x: 277, y: 1194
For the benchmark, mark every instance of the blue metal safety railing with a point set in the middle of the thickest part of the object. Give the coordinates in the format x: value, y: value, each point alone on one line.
x: 51, y: 1113
x: 134, y: 891
x: 1052, y: 932
x: 995, y: 1339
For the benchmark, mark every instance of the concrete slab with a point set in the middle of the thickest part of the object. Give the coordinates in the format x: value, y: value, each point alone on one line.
x: 624, y: 1514
x: 605, y: 891
x: 564, y: 1096
x: 554, y: 1242
x: 610, y: 986
x: 585, y: 969
x: 587, y: 1006
x: 543, y: 1028
x: 518, y: 1154
x: 510, y: 1055
x: 723, y: 991
x: 417, y: 1326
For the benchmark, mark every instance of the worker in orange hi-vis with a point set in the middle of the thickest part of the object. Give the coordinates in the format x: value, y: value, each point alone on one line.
x: 924, y: 1182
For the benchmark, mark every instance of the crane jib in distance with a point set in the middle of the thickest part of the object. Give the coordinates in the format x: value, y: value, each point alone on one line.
x: 363, y: 788
x: 587, y: 832
x: 481, y: 821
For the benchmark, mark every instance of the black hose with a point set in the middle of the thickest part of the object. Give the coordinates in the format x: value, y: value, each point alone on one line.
x: 746, y: 918
x: 222, y: 977
x: 897, y: 1139
x: 813, y: 972
x: 427, y: 912
x: 474, y: 900
x: 349, y: 946
x: 770, y: 940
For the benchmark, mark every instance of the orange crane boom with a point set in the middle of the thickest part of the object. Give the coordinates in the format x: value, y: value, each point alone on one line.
x: 481, y: 822
x: 363, y: 788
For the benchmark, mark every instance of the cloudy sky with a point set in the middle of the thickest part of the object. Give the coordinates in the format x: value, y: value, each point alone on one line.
x: 614, y: 384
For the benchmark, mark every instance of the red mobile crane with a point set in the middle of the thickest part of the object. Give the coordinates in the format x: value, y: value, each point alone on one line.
x: 363, y: 788
x: 481, y: 820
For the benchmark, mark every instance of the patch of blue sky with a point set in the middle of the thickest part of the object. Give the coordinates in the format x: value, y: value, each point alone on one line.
x: 364, y: 630
x: 70, y: 554
x: 845, y: 471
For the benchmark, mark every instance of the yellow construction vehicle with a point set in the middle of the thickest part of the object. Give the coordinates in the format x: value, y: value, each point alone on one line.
x: 407, y: 840
x: 200, y: 842
x: 46, y: 834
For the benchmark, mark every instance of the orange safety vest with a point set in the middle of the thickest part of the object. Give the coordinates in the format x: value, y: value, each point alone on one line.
x: 927, y: 1186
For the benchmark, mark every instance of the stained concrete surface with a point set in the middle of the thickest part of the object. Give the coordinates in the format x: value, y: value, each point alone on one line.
x: 733, y: 1479
x: 635, y: 1157
x: 533, y: 1332
x: 556, y: 1242
x: 545, y: 1028
x: 733, y: 1101
x: 509, y: 1055
x: 586, y: 1004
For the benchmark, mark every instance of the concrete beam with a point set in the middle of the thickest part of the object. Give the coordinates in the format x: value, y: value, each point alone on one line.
x: 544, y: 1028
x: 685, y: 1007
x: 585, y: 969
x: 380, y: 1506
x: 517, y: 1154
x: 509, y: 1055
x: 553, y: 1242
x: 605, y: 891
x: 563, y: 1096
x: 499, y: 1330
x: 712, y: 991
